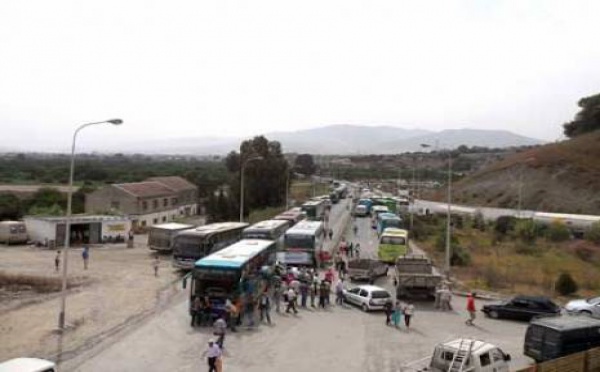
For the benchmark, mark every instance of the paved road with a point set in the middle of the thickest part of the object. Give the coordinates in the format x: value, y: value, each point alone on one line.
x: 340, y: 339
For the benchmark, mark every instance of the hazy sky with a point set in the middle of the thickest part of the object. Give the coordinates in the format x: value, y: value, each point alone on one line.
x: 230, y: 68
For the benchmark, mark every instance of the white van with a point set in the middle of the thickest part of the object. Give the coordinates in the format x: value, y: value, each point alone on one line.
x: 28, y: 365
x: 466, y: 354
x: 361, y: 210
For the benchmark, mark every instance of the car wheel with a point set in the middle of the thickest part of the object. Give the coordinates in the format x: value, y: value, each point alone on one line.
x: 493, y: 314
x: 585, y: 312
x: 364, y: 308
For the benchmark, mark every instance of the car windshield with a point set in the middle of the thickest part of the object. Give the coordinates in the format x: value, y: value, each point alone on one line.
x: 593, y: 300
x: 380, y: 294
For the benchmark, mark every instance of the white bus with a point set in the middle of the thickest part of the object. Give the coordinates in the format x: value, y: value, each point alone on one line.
x: 160, y: 237
x: 292, y: 216
x: 303, y: 244
x: 191, y: 245
x: 267, y: 230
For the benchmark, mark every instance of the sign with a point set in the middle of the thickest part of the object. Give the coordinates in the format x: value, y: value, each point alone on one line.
x: 298, y: 258
x: 120, y: 227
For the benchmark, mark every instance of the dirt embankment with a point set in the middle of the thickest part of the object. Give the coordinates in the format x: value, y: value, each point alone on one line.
x: 560, y: 177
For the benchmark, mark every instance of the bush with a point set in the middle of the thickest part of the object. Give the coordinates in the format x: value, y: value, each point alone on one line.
x: 460, y: 256
x: 526, y: 249
x: 558, y: 232
x: 526, y: 231
x: 566, y: 285
x: 504, y: 225
x: 478, y: 221
x: 593, y: 233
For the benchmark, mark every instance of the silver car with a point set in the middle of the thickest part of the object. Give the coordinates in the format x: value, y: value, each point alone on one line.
x: 588, y: 306
x: 368, y: 297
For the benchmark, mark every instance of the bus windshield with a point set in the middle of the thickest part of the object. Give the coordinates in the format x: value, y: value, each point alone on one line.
x: 300, y: 241
x: 189, y: 246
x: 393, y: 240
x: 257, y: 235
x: 216, y: 283
x: 392, y: 222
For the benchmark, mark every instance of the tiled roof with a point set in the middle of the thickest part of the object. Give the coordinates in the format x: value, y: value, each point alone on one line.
x: 176, y: 183
x: 145, y: 189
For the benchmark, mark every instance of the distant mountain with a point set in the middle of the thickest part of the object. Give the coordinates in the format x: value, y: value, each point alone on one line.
x: 336, y: 139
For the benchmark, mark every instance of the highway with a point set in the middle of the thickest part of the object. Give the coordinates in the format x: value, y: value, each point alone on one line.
x: 340, y: 339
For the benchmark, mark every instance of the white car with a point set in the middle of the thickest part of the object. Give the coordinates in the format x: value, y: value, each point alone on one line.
x: 368, y: 297
x: 588, y: 306
x: 27, y: 365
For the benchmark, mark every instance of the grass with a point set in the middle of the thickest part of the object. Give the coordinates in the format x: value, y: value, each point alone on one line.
x: 301, y: 191
x: 258, y: 215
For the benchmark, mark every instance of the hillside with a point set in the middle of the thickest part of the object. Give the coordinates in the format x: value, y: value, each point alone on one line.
x: 558, y: 177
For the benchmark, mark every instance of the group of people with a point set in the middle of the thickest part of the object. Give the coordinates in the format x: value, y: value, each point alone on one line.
x: 394, y: 312
x: 443, y: 297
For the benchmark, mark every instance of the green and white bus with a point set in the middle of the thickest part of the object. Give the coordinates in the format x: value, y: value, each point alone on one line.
x: 392, y: 244
x: 303, y: 244
x: 314, y: 209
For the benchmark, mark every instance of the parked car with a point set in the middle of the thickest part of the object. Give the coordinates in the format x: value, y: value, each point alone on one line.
x: 368, y: 297
x: 366, y: 269
x: 522, y: 308
x: 27, y: 365
x: 588, y: 306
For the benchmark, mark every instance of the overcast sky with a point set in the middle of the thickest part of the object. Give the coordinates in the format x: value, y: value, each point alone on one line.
x: 239, y: 68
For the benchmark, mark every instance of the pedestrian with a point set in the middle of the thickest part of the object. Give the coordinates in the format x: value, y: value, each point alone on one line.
x: 327, y: 293
x: 357, y: 249
x: 295, y: 285
x: 329, y: 275
x: 438, y: 295
x: 330, y: 234
x: 196, y: 308
x: 471, y: 308
x: 250, y: 306
x: 339, y: 292
x: 291, y: 298
x: 230, y: 314
x: 397, y: 314
x: 322, y: 294
x: 86, y: 257
x: 350, y: 250
x: 355, y: 228
x: 57, y: 261
x: 312, y: 292
x: 219, y: 330
x: 409, y: 311
x: 304, y: 286
x: 155, y: 265
x: 388, y: 309
x: 277, y: 293
x: 213, y: 353
x: 207, y: 311
x: 265, y: 307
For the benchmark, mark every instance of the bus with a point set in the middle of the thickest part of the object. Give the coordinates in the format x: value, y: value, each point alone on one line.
x: 385, y: 220
x: 191, y: 245
x: 392, y: 243
x: 292, y: 216
x: 234, y: 272
x: 376, y: 210
x: 160, y: 237
x: 390, y: 203
x: 303, y: 244
x: 267, y: 230
x: 314, y: 209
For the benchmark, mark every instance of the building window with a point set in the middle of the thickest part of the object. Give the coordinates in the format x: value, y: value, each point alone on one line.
x: 165, y: 202
x: 143, y: 223
x: 144, y: 205
x: 164, y: 219
x: 155, y: 204
x: 155, y: 221
x: 114, y: 205
x: 173, y: 201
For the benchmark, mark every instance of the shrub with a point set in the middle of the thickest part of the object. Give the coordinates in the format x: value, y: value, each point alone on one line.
x: 504, y: 225
x: 566, y: 285
x: 526, y: 231
x: 593, y: 233
x: 526, y: 249
x: 460, y: 256
x: 558, y: 232
x: 478, y: 222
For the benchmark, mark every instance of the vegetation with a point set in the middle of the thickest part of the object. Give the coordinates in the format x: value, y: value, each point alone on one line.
x: 305, y: 164
x: 587, y: 119
x: 566, y: 285
x: 593, y: 234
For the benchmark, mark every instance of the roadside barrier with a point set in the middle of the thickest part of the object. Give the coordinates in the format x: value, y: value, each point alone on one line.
x: 585, y: 361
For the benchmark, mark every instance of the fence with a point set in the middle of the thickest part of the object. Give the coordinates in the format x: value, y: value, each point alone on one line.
x: 585, y: 361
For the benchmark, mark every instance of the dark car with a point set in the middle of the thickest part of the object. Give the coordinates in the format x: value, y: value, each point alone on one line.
x: 522, y: 308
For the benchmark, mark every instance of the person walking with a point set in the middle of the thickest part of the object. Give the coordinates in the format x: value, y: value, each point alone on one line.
x: 350, y: 250
x: 330, y: 234
x: 207, y: 311
x: 264, y: 306
x: 155, y: 265
x: 219, y: 330
x: 397, y: 314
x: 291, y: 298
x: 322, y: 294
x: 230, y: 314
x: 339, y: 292
x: 86, y: 257
x: 471, y: 308
x: 213, y: 353
x: 355, y: 229
x: 277, y: 293
x: 357, y: 249
x: 57, y: 261
x: 409, y: 311
x: 196, y: 304
x: 304, y: 288
x: 388, y: 309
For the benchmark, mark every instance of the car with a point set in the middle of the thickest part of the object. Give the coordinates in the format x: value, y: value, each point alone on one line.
x: 368, y: 297
x: 366, y: 269
x: 27, y: 365
x: 522, y: 308
x: 587, y: 306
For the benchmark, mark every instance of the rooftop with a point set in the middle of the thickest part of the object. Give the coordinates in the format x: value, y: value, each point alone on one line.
x: 145, y: 189
x: 174, y: 182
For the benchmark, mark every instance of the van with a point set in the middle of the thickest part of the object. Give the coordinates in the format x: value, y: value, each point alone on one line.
x: 555, y: 337
x: 361, y: 210
x: 28, y: 365
x: 471, y: 355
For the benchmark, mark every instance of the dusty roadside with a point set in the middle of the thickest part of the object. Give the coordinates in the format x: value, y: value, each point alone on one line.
x: 119, y: 288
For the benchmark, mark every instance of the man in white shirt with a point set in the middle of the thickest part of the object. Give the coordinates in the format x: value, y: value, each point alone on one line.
x: 212, y: 353
x: 291, y: 295
x: 339, y: 292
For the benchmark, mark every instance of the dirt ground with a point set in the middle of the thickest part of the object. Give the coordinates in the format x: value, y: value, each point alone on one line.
x: 118, y: 288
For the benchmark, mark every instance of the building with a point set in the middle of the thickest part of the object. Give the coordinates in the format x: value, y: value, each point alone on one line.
x: 156, y: 200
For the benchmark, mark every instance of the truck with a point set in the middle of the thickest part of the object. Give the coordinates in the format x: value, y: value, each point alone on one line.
x: 416, y: 276
x: 462, y: 355
x: 366, y: 269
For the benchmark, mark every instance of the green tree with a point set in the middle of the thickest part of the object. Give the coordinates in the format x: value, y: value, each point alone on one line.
x: 305, y: 164
x: 10, y: 207
x: 526, y: 231
x: 47, y: 197
x: 587, y: 119
x: 566, y: 285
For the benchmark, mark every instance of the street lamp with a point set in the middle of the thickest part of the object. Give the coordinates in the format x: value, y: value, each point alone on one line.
x: 63, y: 297
x: 243, y: 164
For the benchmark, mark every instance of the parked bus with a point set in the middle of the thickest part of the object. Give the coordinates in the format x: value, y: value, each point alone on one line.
x: 234, y: 272
x: 267, y: 230
x: 191, y: 245
x: 302, y: 244
x: 376, y: 210
x: 292, y: 216
x: 314, y: 209
x: 392, y: 243
x: 160, y: 237
x: 386, y: 220
x: 13, y: 232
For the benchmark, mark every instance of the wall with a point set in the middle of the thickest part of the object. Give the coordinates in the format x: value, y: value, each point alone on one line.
x: 40, y: 230
x: 100, y: 201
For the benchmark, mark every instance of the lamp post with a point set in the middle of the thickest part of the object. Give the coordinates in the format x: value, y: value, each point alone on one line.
x: 243, y: 165
x: 63, y: 297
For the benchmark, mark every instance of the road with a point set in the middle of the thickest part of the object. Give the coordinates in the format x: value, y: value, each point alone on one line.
x: 342, y: 338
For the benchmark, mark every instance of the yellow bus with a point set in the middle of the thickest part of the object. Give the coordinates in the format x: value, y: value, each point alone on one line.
x: 392, y: 243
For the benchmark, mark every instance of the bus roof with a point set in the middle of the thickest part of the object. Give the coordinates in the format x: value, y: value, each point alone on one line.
x: 172, y: 226
x: 380, y: 208
x: 384, y: 216
x: 266, y: 225
x: 214, y: 228
x: 392, y: 231
x: 305, y: 227
x: 235, y: 255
